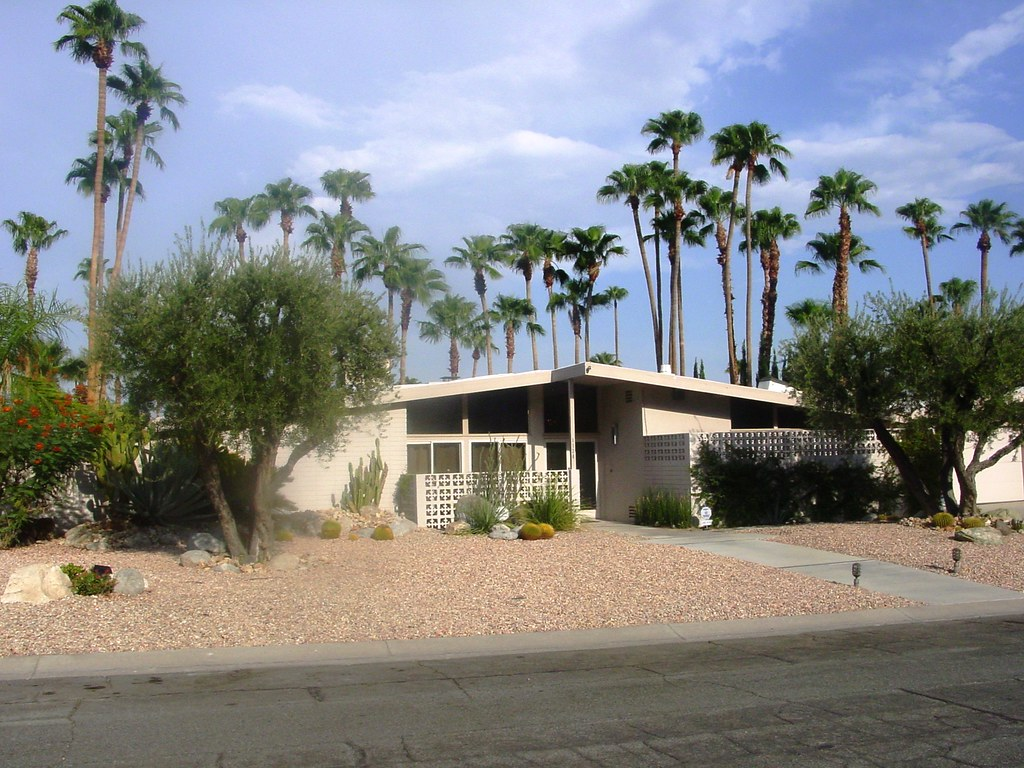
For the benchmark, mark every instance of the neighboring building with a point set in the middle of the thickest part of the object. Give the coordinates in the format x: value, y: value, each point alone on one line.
x: 606, y: 432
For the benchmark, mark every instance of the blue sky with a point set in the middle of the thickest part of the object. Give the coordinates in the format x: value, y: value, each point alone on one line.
x: 471, y: 116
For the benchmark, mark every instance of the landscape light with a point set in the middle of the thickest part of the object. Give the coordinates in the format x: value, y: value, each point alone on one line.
x: 856, y: 574
x: 958, y: 555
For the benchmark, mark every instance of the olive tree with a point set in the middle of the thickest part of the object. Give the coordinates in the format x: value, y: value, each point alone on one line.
x: 259, y: 356
x: 902, y: 363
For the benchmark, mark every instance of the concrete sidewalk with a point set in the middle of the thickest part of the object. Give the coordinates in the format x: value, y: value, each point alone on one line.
x: 943, y: 598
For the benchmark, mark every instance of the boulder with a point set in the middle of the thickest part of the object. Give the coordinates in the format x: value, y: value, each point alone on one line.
x: 401, y: 526
x: 503, y: 532
x: 37, y: 583
x: 457, y: 527
x: 129, y: 581
x: 207, y: 542
x: 226, y: 567
x: 195, y: 558
x: 286, y: 561
x: 82, y: 535
x: 981, y: 535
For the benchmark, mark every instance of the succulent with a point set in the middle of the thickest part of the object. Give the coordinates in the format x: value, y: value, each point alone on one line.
x: 973, y: 522
x: 365, y: 483
x: 382, y: 533
x: 283, y: 534
x: 331, y: 529
x: 530, y: 532
x: 547, y: 531
x: 943, y: 520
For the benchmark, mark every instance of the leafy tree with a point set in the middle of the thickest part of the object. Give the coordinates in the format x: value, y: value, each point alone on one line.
x: 923, y: 215
x: 741, y: 147
x: 450, y: 318
x: 527, y: 246
x: 848, y: 191
x: 417, y: 282
x: 30, y: 234
x: 987, y: 218
x: 144, y: 87
x: 481, y: 254
x: 265, y: 355
x: 633, y: 183
x: 234, y: 214
x: 331, y: 235
x: 956, y: 375
x: 512, y: 312
x: 98, y: 30
x: 289, y: 200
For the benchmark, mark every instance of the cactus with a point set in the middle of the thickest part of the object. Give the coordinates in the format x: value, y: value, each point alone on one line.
x: 365, y: 483
x: 331, y: 529
x: 382, y: 533
x: 943, y: 520
x: 973, y: 522
x: 530, y: 532
x: 547, y: 531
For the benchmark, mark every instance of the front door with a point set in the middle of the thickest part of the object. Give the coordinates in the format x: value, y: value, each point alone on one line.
x: 586, y: 462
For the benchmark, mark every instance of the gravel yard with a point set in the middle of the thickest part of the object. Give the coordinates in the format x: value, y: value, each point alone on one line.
x: 427, y: 584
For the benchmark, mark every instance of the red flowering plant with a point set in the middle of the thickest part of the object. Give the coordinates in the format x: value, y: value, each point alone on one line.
x: 45, y: 434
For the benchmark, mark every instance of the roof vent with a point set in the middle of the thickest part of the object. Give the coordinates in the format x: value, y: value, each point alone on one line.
x: 629, y: 395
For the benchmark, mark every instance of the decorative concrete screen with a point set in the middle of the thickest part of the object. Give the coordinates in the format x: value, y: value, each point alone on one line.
x: 436, y: 495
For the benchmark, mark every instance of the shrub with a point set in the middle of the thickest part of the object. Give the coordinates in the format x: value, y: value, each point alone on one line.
x: 552, y: 507
x: 405, y: 496
x: 547, y: 531
x: 972, y: 522
x: 87, y: 582
x: 943, y: 520
x: 663, y: 509
x: 382, y: 533
x: 479, y: 513
x: 530, y: 532
x: 162, y: 486
x: 330, y: 529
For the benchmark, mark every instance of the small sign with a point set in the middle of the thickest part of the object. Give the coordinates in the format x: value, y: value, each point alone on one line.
x: 704, y: 518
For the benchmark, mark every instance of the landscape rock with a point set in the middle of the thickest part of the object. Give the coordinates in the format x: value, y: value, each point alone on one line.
x: 82, y: 535
x: 1003, y: 527
x: 37, y: 583
x: 286, y: 561
x: 981, y: 535
x: 301, y: 523
x: 207, y: 542
x: 129, y: 581
x: 401, y: 526
x: 226, y: 567
x: 457, y: 527
x: 503, y: 532
x: 195, y: 558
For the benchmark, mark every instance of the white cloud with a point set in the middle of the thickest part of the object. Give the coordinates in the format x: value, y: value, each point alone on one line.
x: 979, y: 45
x: 281, y: 101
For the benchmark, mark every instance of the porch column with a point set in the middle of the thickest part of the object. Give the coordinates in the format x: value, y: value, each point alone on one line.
x: 572, y: 434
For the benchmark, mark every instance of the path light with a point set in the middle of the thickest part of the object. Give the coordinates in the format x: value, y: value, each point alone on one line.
x: 856, y: 574
x: 958, y: 555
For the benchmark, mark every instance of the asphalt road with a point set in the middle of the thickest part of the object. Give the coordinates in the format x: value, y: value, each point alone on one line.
x: 925, y: 694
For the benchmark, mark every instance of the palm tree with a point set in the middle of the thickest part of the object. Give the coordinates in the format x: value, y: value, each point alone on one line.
x: 742, y: 146
x: 848, y: 191
x: 804, y: 314
x: 144, y: 87
x: 450, y: 318
x: 674, y: 130
x: 289, y: 199
x: 573, y: 298
x: 478, y: 339
x: 330, y: 235
x: 345, y: 186
x: 633, y: 183
x: 417, y: 282
x: 590, y: 249
x: 614, y: 294
x: 660, y: 179
x: 31, y: 234
x: 512, y: 312
x: 120, y: 144
x: 97, y: 31
x: 605, y: 358
x: 826, y: 254
x: 234, y: 215
x: 52, y: 361
x: 1018, y: 237
x: 987, y: 218
x: 955, y: 294
x: 767, y: 228
x: 924, y: 226
x: 381, y: 259
x: 554, y: 248
x: 717, y: 207
x: 481, y: 254
x: 527, y: 246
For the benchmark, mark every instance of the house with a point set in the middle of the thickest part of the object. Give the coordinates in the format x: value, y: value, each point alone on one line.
x: 604, y: 433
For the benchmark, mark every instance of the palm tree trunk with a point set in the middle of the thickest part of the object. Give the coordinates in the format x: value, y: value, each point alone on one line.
x: 769, y: 297
x: 554, y: 331
x: 93, y: 375
x: 655, y: 327
x: 487, y: 328
x: 453, y: 358
x: 927, y: 271
x: 615, y: 317
x: 984, y: 245
x: 122, y: 231
x: 673, y: 349
x: 840, y: 286
x: 533, y: 320
x: 677, y: 287
x: 659, y: 290
x: 726, y: 262
x: 510, y: 347
x: 750, y: 283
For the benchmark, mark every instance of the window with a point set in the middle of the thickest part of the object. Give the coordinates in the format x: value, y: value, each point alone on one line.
x: 447, y: 457
x: 438, y: 416
x: 557, y: 456
x: 499, y: 412
x: 424, y: 458
x: 418, y: 459
x: 492, y: 457
x: 556, y: 408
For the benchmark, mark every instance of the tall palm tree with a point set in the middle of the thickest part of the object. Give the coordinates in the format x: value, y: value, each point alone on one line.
x: 331, y: 234
x: 381, y: 259
x: 481, y: 254
x: 144, y: 87
x: 717, y: 207
x: 613, y: 294
x: 478, y: 339
x: 632, y: 183
x: 826, y: 254
x: 923, y: 215
x: 767, y: 228
x: 52, y: 361
x: 289, y: 199
x: 742, y: 147
x: 955, y: 294
x: 449, y: 318
x: 672, y: 131
x: 234, y: 214
x: 30, y: 234
x: 98, y: 30
x: 554, y: 249
x: 848, y: 191
x: 527, y: 246
x: 512, y: 312
x: 803, y: 314
x: 573, y: 298
x: 120, y: 144
x: 987, y: 218
x: 590, y: 249
x: 347, y: 186
x: 660, y: 179
x: 418, y: 282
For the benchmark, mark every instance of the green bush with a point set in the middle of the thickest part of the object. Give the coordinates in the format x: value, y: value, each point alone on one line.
x: 87, y: 582
x: 163, y: 486
x: 530, y: 532
x: 663, y: 509
x: 552, y: 507
x: 943, y: 520
x: 330, y: 529
x: 972, y: 522
x: 479, y: 513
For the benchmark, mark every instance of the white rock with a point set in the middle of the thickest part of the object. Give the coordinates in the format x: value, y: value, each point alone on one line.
x: 129, y: 581
x: 286, y: 561
x: 37, y: 583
